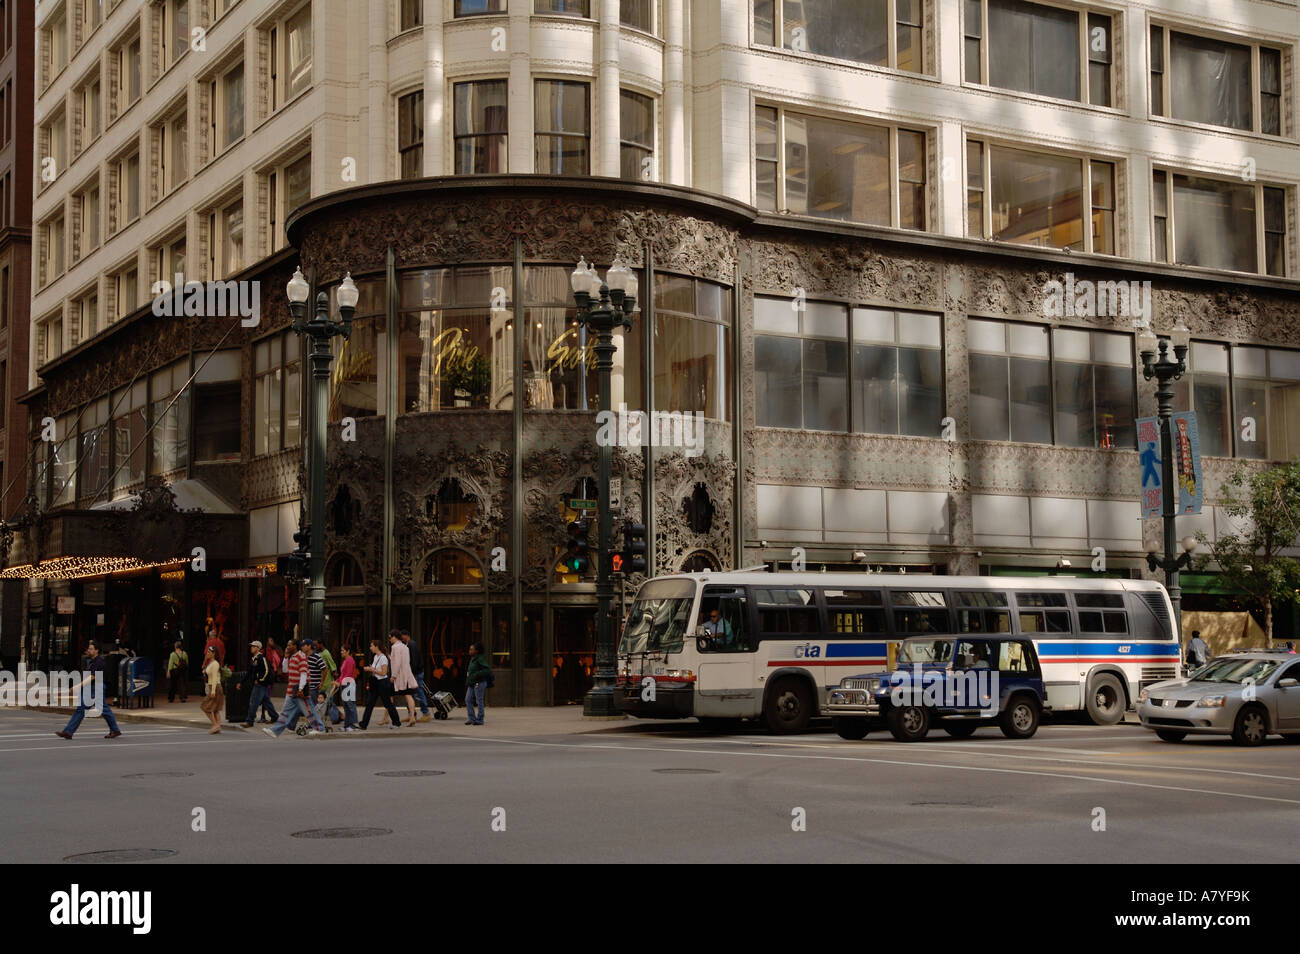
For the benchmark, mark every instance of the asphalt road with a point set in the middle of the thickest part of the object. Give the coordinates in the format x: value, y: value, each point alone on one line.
x: 645, y: 794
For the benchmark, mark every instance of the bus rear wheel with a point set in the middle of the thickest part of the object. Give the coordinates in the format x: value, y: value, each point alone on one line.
x: 852, y: 729
x: 1105, y: 700
x: 789, y: 707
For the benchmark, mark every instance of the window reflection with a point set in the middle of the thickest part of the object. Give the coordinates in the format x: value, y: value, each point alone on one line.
x: 692, y: 343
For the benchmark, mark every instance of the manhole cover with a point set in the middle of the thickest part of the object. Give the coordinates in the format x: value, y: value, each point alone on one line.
x: 686, y: 771
x: 410, y: 773
x: 120, y: 856
x: 159, y: 775
x: 342, y: 833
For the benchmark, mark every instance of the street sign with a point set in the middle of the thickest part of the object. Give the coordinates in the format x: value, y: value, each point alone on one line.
x: 1187, y: 465
x: 1148, y: 437
x: 576, y: 503
x: 244, y: 573
x: 615, y: 493
x: 1187, y: 462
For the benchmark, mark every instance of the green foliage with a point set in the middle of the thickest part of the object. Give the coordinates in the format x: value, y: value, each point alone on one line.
x: 1267, y: 505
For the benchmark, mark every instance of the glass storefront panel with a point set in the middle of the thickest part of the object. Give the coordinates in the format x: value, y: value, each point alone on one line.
x: 445, y: 635
x: 573, y: 662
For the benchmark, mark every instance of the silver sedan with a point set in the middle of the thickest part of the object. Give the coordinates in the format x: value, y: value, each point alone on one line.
x: 1247, y: 695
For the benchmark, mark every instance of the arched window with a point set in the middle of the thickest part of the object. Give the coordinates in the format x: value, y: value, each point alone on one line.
x: 700, y: 562
x: 343, y: 570
x: 451, y: 508
x: 452, y: 568
x: 698, y: 509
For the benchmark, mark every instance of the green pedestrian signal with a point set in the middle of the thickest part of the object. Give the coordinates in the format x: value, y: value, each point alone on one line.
x: 578, y: 559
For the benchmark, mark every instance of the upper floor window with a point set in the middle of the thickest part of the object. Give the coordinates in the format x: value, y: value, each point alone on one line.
x: 1216, y: 223
x: 1206, y: 80
x: 1244, y: 395
x: 692, y: 346
x: 410, y: 14
x: 92, y: 15
x: 480, y: 127
x: 88, y: 103
x: 126, y: 200
x: 807, y: 165
x: 636, y: 135
x: 410, y: 135
x: 639, y: 14
x: 86, y: 204
x: 573, y: 8
x: 562, y: 127
x: 277, y: 394
x: 54, y: 148
x: 52, y: 249
x: 288, y: 186
x: 226, y: 239
x: 1036, y: 198
x: 54, y: 41
x: 1035, y: 48
x: 875, y: 32
x: 289, y: 57
x: 127, y: 87
x: 172, y: 23
x: 226, y: 109
x: 469, y: 8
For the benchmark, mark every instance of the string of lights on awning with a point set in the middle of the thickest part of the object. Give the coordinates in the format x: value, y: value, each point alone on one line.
x: 77, y: 567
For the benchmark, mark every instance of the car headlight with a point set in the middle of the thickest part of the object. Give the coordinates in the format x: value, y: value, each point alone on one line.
x: 1142, y: 696
x: 1212, y: 702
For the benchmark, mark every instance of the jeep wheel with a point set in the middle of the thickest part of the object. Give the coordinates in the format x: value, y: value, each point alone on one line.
x: 1251, y: 727
x: 1105, y: 700
x: 909, y: 723
x: 960, y: 730
x: 853, y: 729
x: 789, y: 706
x: 1020, y: 718
x: 1170, y: 735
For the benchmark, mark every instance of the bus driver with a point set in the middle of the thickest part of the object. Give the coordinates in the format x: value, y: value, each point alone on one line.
x: 720, y: 630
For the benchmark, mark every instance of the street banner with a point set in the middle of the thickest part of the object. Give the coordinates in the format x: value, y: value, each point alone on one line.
x: 1187, y: 462
x: 1148, y: 435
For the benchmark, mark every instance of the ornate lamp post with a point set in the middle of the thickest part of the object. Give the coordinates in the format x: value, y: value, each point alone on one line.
x: 601, y: 306
x: 1166, y: 369
x: 319, y: 330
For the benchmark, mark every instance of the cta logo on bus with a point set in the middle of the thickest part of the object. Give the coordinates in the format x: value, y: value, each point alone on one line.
x: 807, y: 651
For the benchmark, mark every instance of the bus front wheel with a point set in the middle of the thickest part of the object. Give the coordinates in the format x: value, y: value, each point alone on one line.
x: 852, y: 729
x: 789, y: 707
x: 1105, y: 700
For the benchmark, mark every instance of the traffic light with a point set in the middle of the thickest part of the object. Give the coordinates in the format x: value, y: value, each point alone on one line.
x: 633, y: 548
x: 578, y: 559
x: 297, y: 565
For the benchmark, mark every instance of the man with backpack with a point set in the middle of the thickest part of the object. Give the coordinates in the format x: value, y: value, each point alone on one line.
x: 178, y: 664
x: 478, y: 679
x: 263, y: 676
x: 417, y: 670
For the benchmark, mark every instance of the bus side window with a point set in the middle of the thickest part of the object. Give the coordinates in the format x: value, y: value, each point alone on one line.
x: 724, y: 616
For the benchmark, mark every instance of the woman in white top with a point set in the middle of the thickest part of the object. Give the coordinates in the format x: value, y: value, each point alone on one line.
x: 381, y: 687
x: 213, y: 698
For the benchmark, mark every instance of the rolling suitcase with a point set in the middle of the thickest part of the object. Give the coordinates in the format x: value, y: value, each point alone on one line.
x: 443, y: 703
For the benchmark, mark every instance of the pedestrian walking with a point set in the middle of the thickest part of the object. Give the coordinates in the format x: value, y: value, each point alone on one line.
x: 1197, y: 650
x: 403, y: 678
x: 380, y: 687
x: 95, y: 670
x: 417, y: 669
x: 214, y: 699
x: 315, y: 679
x: 296, y: 697
x: 348, y: 689
x: 477, y: 679
x: 178, y: 665
x: 262, y: 676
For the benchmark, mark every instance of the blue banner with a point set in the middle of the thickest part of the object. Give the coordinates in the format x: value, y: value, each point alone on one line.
x: 1148, y: 438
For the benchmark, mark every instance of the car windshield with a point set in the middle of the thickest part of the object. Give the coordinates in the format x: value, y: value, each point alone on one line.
x: 1236, y: 669
x: 925, y: 652
x: 659, y: 618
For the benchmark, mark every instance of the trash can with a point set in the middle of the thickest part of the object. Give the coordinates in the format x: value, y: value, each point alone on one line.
x: 137, y: 690
x: 237, y: 699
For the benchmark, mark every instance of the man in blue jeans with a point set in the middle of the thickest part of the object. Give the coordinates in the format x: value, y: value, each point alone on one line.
x: 476, y: 681
x: 90, y: 698
x: 417, y: 670
x: 260, y: 672
x: 296, y: 702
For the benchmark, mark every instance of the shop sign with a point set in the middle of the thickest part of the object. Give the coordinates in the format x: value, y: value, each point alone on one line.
x: 65, y: 605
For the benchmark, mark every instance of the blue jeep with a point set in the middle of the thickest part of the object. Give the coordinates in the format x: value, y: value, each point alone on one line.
x: 955, y: 682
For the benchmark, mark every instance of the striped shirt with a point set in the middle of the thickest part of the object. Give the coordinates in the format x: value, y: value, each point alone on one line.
x: 315, y: 671
x: 297, y: 666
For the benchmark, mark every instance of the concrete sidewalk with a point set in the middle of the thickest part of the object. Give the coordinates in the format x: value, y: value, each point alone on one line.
x: 501, y: 722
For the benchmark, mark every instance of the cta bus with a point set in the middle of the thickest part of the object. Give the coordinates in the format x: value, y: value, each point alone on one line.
x: 756, y: 645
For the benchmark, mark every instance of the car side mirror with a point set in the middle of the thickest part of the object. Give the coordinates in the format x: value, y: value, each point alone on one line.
x: 1288, y: 683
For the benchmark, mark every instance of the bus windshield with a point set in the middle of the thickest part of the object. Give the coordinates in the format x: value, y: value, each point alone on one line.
x: 659, y: 618
x: 925, y: 652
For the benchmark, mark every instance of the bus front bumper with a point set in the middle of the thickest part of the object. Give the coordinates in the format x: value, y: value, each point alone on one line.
x: 666, y: 702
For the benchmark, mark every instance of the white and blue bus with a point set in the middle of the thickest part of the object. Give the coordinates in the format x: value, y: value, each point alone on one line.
x: 754, y: 645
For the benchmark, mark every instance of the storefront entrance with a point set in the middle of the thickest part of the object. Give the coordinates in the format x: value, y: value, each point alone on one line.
x: 573, y: 657
x: 445, y: 635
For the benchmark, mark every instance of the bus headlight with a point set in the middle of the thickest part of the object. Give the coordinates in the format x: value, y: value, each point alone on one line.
x: 1211, y: 702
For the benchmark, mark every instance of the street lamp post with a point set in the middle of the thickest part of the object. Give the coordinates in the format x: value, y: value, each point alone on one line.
x: 319, y: 331
x: 1158, y: 363
x: 602, y: 306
